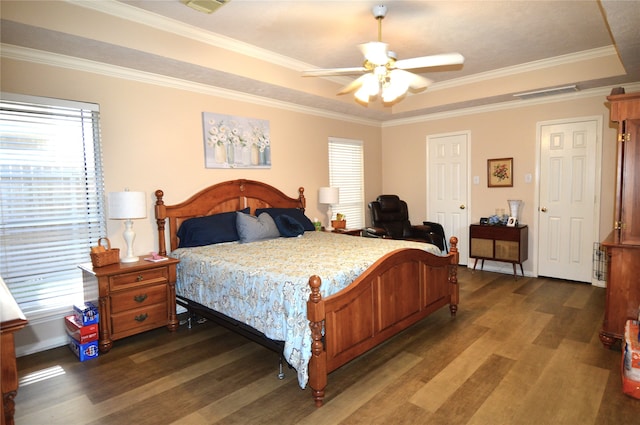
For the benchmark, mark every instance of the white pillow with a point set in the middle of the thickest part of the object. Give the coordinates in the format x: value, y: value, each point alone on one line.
x: 251, y: 229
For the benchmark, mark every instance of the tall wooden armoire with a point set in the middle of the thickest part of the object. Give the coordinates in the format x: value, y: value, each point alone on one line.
x: 623, y: 244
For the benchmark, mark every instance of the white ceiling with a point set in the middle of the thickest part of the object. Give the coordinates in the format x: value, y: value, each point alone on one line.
x: 493, y: 36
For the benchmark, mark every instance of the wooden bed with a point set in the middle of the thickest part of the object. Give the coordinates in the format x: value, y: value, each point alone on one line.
x: 398, y: 290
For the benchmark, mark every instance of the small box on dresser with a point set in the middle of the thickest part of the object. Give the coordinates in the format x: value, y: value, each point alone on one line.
x: 132, y: 297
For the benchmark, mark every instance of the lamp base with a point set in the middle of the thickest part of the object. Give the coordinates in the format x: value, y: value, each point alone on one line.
x: 129, y: 236
x: 328, y: 227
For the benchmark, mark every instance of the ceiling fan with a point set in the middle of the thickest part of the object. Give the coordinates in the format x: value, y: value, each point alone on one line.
x: 383, y: 73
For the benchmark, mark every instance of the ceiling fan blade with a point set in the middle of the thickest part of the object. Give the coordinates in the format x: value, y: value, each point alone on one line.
x: 355, y: 84
x: 429, y: 61
x: 333, y: 71
x: 400, y: 81
x: 416, y: 82
x: 375, y: 52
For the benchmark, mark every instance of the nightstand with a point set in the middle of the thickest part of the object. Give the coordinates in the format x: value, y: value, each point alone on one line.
x: 132, y: 297
x: 351, y: 232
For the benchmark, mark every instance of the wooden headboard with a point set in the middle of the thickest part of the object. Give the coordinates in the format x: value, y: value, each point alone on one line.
x: 232, y: 195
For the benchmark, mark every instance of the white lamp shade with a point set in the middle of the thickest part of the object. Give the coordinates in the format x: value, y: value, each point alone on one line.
x: 127, y: 205
x: 329, y: 195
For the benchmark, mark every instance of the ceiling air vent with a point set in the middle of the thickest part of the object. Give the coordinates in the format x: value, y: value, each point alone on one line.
x: 547, y: 92
x: 205, y: 6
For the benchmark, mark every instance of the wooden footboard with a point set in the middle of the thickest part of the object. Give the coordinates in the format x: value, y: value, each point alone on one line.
x: 400, y: 289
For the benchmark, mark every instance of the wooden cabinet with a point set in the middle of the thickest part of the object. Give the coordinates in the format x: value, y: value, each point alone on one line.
x: 623, y: 244
x: 132, y: 297
x: 499, y: 243
x: 11, y: 320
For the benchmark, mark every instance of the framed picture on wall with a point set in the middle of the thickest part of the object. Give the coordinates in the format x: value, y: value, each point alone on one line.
x: 500, y: 172
x: 236, y: 142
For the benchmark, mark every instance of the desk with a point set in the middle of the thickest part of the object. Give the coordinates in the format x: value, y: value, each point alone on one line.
x: 11, y: 320
x: 499, y: 243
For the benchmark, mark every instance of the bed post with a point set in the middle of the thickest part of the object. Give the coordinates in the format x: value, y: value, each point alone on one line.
x: 318, y: 361
x: 453, y: 274
x: 161, y: 214
x: 303, y: 200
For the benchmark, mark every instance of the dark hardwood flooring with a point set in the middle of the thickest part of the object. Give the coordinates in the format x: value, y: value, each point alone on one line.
x: 518, y: 352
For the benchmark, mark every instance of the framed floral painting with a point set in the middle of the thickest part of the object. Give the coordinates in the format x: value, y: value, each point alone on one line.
x: 500, y: 172
x: 235, y: 142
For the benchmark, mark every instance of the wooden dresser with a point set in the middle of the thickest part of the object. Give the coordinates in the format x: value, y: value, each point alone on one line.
x: 11, y: 320
x: 132, y: 297
x: 623, y: 244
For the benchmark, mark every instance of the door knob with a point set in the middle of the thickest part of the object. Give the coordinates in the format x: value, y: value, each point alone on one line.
x: 462, y: 207
x: 543, y: 209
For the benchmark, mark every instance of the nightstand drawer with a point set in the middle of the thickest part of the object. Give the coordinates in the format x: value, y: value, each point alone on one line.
x: 150, y: 317
x: 138, y: 297
x: 136, y: 278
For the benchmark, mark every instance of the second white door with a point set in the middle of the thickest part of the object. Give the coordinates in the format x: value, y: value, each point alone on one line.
x: 568, y: 206
x: 447, y: 191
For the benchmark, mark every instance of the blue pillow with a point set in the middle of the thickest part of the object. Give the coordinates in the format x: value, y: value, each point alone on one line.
x: 251, y: 228
x: 288, y: 226
x: 294, y: 213
x: 207, y: 230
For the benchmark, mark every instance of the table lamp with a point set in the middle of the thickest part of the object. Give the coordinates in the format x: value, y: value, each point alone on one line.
x: 128, y: 206
x: 329, y: 196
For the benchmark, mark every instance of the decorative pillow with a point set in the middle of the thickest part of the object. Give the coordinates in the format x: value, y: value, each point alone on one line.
x: 209, y: 229
x: 294, y: 213
x: 251, y: 228
x: 288, y: 226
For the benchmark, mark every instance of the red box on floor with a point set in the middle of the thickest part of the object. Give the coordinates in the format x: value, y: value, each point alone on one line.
x: 631, y: 359
x: 82, y: 334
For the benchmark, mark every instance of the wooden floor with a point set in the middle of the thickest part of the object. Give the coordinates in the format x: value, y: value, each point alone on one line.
x: 518, y: 352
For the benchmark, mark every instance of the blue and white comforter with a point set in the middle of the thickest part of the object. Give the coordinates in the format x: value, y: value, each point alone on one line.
x: 264, y: 284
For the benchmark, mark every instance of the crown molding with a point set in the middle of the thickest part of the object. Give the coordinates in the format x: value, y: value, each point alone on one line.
x: 601, y: 92
x: 62, y: 61
x: 541, y: 64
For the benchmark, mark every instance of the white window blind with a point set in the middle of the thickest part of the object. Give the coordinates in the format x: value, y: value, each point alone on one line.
x: 346, y: 171
x: 51, y: 198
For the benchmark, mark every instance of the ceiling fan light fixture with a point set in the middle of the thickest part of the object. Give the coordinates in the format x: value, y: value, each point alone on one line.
x: 384, y: 75
x: 370, y: 87
x: 397, y: 86
x: 376, y: 52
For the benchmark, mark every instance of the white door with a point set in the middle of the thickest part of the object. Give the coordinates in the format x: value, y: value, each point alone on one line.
x: 447, y: 191
x: 568, y: 209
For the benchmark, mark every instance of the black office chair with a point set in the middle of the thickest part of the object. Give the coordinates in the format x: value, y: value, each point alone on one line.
x: 390, y: 219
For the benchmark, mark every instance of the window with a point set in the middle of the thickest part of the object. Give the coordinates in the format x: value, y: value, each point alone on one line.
x: 51, y: 198
x: 346, y: 165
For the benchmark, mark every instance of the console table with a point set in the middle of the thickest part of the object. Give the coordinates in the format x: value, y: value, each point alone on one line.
x: 499, y: 243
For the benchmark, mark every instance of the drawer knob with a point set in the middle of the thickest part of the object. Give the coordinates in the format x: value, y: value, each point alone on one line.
x: 140, y: 277
x: 141, y: 318
x: 140, y: 298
